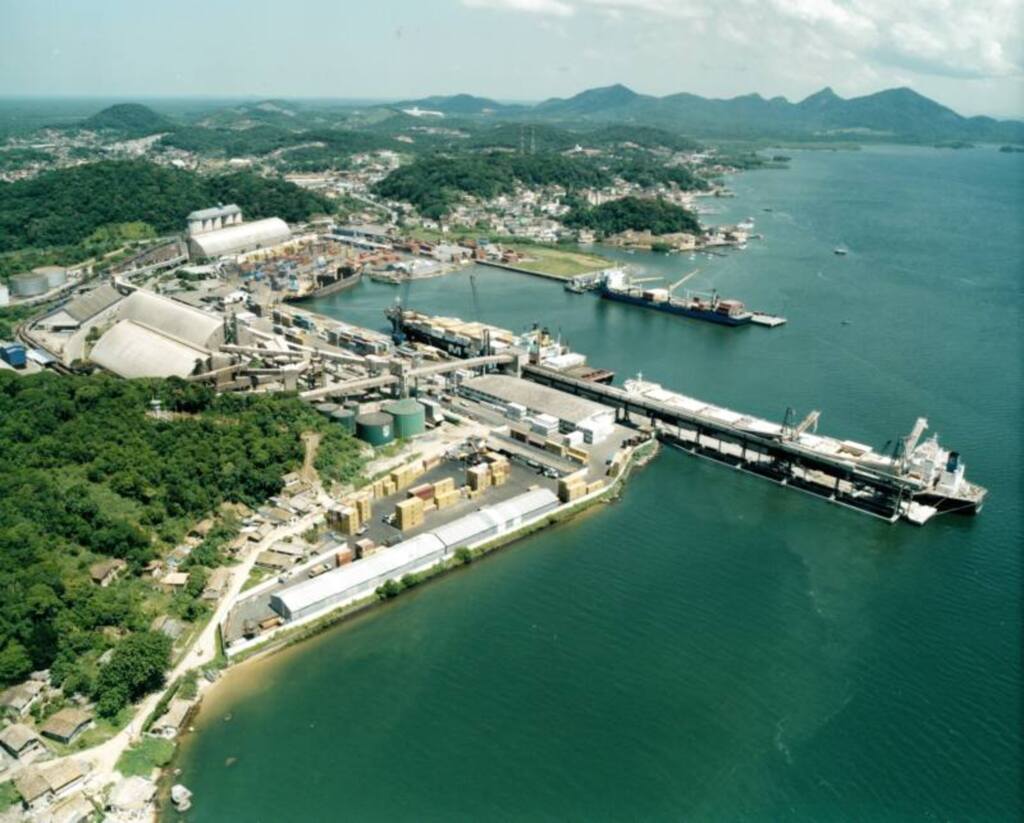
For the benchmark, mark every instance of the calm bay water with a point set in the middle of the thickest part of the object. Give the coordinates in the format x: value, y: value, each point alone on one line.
x: 710, y: 647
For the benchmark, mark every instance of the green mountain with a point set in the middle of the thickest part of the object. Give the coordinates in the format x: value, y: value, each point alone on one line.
x: 129, y: 120
x: 900, y: 114
x: 593, y: 101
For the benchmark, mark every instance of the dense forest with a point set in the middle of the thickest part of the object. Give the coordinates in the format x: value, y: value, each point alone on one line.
x: 87, y: 474
x: 263, y: 139
x: 640, y: 214
x: 60, y: 211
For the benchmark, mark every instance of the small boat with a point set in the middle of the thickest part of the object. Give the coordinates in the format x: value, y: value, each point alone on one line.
x: 840, y: 250
x: 181, y: 797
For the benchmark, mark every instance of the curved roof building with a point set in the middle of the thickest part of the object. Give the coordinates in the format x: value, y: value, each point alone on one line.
x: 239, y: 238
x: 173, y: 319
x: 130, y: 349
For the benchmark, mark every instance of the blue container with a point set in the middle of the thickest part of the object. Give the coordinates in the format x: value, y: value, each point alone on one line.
x: 13, y: 354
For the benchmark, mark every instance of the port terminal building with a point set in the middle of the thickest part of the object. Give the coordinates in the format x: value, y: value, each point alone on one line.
x: 526, y: 401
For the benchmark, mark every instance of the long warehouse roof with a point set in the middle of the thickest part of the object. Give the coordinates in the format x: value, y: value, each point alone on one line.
x: 241, y: 237
x: 311, y: 592
x: 171, y: 317
x: 130, y: 349
x: 457, y: 533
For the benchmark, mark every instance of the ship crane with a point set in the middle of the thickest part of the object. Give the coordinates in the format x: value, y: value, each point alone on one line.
x: 645, y: 280
x: 681, y: 280
x: 911, y: 440
x: 791, y: 432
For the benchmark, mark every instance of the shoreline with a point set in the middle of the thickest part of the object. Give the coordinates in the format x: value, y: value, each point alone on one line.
x: 294, y: 638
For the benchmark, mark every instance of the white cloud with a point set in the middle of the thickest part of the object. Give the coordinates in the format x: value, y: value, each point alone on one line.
x: 556, y: 8
x: 954, y: 38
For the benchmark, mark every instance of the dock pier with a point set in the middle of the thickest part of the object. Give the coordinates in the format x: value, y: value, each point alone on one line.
x: 888, y: 491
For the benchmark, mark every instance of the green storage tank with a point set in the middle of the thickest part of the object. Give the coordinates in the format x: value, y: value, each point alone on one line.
x: 409, y: 416
x: 375, y: 428
x: 346, y: 417
x: 327, y: 408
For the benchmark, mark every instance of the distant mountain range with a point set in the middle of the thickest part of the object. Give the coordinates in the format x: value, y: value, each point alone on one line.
x: 898, y: 113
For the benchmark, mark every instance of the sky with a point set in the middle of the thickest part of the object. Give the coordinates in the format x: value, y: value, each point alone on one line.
x: 967, y: 54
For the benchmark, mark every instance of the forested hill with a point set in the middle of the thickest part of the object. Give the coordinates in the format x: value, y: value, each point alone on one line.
x: 639, y: 214
x: 87, y: 474
x: 63, y: 207
x: 128, y: 120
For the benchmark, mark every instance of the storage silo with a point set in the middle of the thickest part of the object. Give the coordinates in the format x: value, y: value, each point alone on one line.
x: 409, y: 417
x: 55, y: 275
x: 346, y: 417
x: 327, y: 408
x: 375, y: 428
x: 28, y: 284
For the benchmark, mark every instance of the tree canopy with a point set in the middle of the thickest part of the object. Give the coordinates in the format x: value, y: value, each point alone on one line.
x: 66, y: 206
x: 640, y: 214
x: 87, y: 474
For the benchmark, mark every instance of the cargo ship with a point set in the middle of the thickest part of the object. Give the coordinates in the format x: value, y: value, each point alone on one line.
x: 708, y: 307
x: 712, y: 308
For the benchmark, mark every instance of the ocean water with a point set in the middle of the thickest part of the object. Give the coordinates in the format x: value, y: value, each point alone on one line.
x: 709, y: 647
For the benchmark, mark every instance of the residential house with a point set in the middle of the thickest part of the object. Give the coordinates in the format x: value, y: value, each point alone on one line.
x: 174, y: 581
x: 171, y: 722
x: 19, y: 699
x: 21, y: 742
x: 106, y: 571
x: 66, y: 725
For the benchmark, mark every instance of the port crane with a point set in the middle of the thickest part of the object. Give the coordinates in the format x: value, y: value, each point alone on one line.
x: 792, y: 430
x: 681, y: 280
x: 906, y: 447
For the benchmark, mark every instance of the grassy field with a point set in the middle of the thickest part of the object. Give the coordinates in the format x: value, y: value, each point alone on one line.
x: 8, y: 795
x: 140, y: 760
x: 559, y: 262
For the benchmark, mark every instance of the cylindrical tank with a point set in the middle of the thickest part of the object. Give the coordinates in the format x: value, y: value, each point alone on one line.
x: 346, y: 417
x: 55, y: 275
x: 28, y: 284
x: 409, y: 417
x: 327, y: 408
x: 375, y: 428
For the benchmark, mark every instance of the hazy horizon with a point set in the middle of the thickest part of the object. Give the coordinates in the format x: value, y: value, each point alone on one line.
x: 968, y: 57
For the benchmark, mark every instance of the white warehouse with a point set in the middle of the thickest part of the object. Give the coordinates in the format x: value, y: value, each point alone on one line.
x: 358, y: 579
x: 572, y: 413
x: 238, y: 238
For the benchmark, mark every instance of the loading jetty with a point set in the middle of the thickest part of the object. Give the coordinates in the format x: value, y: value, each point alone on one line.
x: 917, y: 481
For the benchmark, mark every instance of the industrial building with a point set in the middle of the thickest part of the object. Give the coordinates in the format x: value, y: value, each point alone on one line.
x: 155, y: 336
x: 218, y: 217
x: 519, y: 398
x: 80, y: 309
x: 355, y: 580
x: 238, y: 238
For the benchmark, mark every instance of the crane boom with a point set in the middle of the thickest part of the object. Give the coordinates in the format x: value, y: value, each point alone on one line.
x: 645, y: 279
x: 809, y: 422
x: 910, y: 441
x: 681, y: 280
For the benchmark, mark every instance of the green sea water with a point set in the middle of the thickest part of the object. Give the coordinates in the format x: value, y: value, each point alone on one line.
x: 710, y: 647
